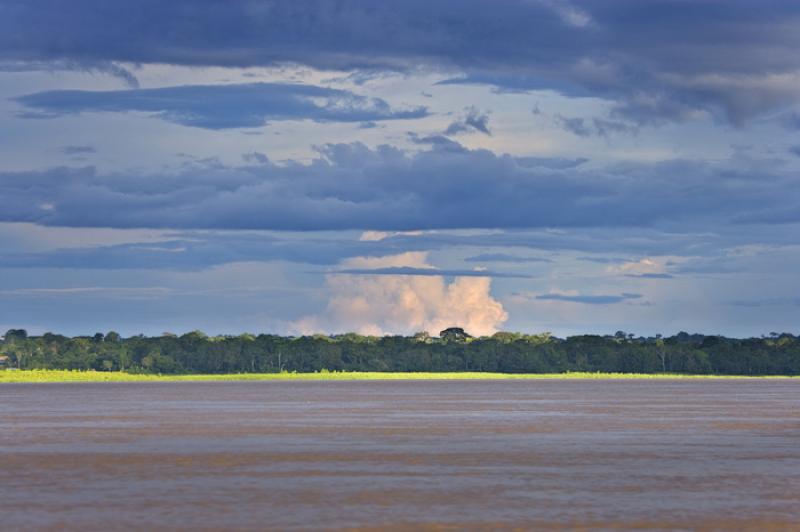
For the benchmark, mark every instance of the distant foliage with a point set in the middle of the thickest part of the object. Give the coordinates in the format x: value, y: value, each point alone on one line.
x: 504, y: 352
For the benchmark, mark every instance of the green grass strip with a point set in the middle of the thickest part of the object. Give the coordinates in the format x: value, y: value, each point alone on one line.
x: 107, y: 376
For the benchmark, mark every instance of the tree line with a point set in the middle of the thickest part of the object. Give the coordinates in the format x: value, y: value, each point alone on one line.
x: 453, y: 350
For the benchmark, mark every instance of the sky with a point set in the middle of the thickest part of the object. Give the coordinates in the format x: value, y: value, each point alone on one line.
x: 398, y: 166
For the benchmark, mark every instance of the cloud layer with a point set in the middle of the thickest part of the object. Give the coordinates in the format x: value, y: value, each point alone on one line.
x: 351, y: 186
x: 664, y: 60
x: 560, y: 157
x: 589, y: 299
x: 220, y: 106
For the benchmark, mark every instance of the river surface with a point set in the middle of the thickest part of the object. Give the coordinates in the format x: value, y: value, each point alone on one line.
x: 397, y: 455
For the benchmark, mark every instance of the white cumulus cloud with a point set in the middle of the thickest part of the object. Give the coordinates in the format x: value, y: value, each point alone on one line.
x: 404, y: 304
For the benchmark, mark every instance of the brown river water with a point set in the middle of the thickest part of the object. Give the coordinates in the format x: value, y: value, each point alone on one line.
x: 440, y: 455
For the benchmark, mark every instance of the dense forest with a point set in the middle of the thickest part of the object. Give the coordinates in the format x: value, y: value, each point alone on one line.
x: 454, y: 350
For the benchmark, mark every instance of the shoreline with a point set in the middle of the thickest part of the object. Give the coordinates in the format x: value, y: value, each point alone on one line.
x: 55, y: 376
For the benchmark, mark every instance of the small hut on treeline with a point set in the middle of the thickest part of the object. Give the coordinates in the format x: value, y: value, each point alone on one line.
x: 454, y: 334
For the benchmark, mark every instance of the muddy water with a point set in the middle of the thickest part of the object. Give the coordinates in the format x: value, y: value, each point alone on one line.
x: 710, y: 455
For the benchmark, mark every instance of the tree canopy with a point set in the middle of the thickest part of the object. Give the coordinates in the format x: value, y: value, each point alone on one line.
x: 196, y: 352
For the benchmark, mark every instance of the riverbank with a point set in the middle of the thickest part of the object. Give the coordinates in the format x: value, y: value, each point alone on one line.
x: 9, y: 376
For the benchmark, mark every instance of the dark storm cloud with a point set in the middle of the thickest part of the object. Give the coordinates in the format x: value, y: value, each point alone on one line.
x: 351, y: 186
x: 408, y: 270
x: 503, y: 257
x: 660, y: 60
x: 650, y: 275
x: 255, y: 158
x: 192, y: 251
x: 472, y: 121
x: 78, y: 150
x: 440, y: 142
x: 576, y: 126
x: 92, y: 67
x: 197, y: 250
x: 221, y: 106
x: 604, y: 260
x: 590, y: 299
x: 556, y: 163
x: 599, y: 127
